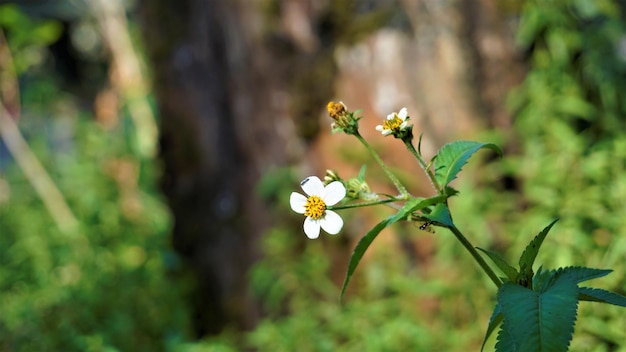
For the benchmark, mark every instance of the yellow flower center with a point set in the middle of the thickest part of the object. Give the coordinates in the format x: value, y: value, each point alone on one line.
x: 335, y: 110
x: 314, y: 207
x: 393, y: 124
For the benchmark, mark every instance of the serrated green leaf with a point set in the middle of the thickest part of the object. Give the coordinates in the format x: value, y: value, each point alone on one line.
x: 580, y: 274
x: 527, y: 259
x: 538, y: 321
x: 453, y: 156
x: 409, y: 207
x: 494, y: 321
x: 508, y: 270
x: 602, y: 296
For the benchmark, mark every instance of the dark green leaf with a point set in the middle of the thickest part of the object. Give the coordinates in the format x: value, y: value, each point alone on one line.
x: 602, y: 296
x: 452, y: 156
x: 508, y: 270
x: 580, y: 274
x: 440, y: 215
x: 527, y: 259
x: 538, y: 320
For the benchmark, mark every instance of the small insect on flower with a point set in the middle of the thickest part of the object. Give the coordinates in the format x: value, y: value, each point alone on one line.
x: 314, y: 206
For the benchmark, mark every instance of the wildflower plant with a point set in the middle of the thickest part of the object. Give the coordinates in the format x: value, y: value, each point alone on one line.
x: 535, y: 311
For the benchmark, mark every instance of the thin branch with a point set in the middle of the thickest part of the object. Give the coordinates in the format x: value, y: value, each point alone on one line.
x: 36, y: 174
x: 127, y: 71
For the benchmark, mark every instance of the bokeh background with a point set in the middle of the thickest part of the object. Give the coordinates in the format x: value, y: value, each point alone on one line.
x: 148, y: 150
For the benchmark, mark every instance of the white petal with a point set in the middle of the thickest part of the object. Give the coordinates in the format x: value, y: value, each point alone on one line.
x: 403, y: 114
x: 297, y: 202
x: 386, y: 132
x: 391, y: 116
x: 403, y: 125
x: 333, y: 193
x: 312, y: 186
x: 380, y: 128
x: 332, y: 222
x: 312, y: 228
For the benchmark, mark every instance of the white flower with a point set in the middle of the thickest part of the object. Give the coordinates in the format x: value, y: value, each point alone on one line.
x: 395, y: 122
x: 314, y: 206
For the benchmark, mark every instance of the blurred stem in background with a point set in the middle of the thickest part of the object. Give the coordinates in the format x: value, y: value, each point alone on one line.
x: 126, y: 72
x: 25, y: 158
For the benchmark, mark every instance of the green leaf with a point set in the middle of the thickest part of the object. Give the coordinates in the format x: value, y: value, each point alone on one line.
x: 453, y: 156
x: 416, y: 204
x: 602, y: 296
x: 409, y: 207
x: 494, y: 321
x: 360, y: 249
x: 527, y: 259
x: 508, y: 270
x: 440, y: 215
x: 538, y: 320
x: 580, y: 274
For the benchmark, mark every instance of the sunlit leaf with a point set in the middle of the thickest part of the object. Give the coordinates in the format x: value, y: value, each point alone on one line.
x: 453, y: 156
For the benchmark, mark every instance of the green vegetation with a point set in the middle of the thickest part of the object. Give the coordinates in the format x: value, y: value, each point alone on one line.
x: 111, y: 286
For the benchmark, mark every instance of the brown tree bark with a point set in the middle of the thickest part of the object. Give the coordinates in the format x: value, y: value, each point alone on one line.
x: 216, y: 135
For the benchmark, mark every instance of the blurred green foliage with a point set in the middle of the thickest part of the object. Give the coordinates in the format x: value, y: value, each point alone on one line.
x: 571, y: 125
x: 109, y: 286
x: 570, y: 119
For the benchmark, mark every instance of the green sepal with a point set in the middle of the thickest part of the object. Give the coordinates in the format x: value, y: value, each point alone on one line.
x: 361, y: 176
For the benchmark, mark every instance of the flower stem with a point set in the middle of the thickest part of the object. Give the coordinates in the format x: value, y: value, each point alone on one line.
x: 423, y: 164
x: 404, y: 193
x: 363, y: 204
x: 496, y: 280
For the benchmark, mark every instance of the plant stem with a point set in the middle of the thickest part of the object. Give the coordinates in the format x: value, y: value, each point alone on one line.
x: 404, y: 193
x: 423, y: 164
x: 363, y: 204
x: 496, y: 280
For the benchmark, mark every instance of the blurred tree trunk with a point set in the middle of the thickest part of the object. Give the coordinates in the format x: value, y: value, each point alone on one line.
x: 217, y: 137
